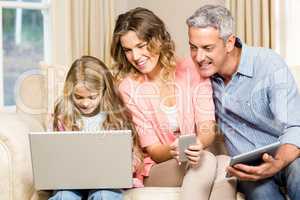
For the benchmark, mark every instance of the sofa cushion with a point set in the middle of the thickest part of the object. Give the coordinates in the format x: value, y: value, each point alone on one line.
x: 159, y: 193
x: 151, y: 193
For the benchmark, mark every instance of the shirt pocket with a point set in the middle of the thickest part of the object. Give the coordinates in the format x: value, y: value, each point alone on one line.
x: 240, y: 108
x: 254, y: 110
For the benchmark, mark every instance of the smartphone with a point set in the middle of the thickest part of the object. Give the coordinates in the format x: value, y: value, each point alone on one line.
x: 184, y: 142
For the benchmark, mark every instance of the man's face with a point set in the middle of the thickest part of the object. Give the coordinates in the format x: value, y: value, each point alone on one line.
x: 208, y: 50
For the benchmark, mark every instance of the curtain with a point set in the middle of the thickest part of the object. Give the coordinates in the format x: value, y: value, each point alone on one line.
x: 255, y: 21
x: 81, y: 27
x: 78, y: 27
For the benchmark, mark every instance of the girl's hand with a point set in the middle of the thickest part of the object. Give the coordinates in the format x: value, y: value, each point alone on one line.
x: 194, y: 153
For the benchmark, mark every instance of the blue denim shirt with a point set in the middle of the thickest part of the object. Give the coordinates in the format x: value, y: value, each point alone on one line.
x: 261, y: 103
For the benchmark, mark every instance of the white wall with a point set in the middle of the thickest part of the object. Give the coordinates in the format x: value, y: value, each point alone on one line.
x: 292, y: 39
x: 172, y: 12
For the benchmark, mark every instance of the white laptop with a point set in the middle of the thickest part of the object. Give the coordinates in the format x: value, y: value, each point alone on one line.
x: 77, y: 160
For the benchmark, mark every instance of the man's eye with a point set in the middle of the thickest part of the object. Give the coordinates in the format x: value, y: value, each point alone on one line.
x: 193, y: 48
x: 209, y: 48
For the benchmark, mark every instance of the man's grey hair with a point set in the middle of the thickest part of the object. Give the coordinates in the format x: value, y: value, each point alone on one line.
x: 214, y: 16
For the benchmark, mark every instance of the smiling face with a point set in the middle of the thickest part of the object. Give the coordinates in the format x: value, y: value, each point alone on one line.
x: 208, y: 50
x: 86, y: 101
x: 137, y: 54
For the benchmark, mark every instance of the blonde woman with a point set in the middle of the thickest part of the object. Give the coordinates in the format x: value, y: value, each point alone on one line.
x: 166, y: 100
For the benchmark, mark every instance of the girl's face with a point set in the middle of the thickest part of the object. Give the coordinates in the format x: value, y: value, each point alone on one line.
x: 138, y: 55
x: 86, y: 101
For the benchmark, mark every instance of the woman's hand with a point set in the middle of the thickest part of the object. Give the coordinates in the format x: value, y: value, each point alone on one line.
x: 174, y: 150
x: 194, y: 153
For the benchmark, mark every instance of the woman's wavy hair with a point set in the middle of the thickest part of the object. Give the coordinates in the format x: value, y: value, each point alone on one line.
x: 96, y: 77
x: 149, y: 28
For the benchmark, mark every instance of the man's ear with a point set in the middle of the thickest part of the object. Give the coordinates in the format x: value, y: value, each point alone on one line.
x: 230, y: 43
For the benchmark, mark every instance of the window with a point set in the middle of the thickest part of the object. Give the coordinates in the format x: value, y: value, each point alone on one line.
x: 24, y: 36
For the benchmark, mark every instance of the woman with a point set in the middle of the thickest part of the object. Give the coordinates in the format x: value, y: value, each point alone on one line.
x: 166, y: 100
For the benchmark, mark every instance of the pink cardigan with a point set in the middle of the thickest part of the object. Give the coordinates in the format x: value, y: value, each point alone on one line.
x: 193, y: 100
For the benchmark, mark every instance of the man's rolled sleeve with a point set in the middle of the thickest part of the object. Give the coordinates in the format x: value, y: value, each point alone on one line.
x: 286, y: 106
x: 291, y: 136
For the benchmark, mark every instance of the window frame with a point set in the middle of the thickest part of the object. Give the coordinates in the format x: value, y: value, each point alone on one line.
x: 45, y: 7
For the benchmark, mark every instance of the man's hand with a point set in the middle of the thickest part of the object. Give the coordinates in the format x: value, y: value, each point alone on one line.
x: 268, y: 168
x: 286, y: 154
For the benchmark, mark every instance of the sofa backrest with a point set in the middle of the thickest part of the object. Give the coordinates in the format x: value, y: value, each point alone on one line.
x: 38, y: 90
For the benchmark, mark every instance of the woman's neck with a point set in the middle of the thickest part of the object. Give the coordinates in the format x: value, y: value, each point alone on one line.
x: 155, y: 74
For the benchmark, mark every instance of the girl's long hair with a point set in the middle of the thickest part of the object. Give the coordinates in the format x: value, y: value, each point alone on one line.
x: 97, y: 78
x: 148, y: 28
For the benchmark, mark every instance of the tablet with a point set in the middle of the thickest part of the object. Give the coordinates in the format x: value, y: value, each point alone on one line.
x: 255, y: 157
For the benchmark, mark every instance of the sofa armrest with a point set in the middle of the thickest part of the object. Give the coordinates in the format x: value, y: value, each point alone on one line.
x: 16, y: 181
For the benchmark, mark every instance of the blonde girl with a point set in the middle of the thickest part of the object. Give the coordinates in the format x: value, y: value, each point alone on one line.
x: 90, y: 102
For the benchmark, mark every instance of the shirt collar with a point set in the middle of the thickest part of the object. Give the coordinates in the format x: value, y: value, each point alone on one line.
x: 246, y: 65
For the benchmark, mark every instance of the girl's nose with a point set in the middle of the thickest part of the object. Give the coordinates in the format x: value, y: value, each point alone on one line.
x: 85, y: 103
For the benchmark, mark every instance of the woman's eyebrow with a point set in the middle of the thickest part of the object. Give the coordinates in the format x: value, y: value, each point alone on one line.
x: 138, y: 44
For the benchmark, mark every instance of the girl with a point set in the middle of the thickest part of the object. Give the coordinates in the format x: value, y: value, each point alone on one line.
x: 166, y: 100
x: 90, y: 103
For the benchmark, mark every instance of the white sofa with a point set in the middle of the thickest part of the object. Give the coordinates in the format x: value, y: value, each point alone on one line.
x: 33, y: 103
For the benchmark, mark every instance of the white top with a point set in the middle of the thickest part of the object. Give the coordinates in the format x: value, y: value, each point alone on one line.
x: 171, y: 113
x: 94, y: 123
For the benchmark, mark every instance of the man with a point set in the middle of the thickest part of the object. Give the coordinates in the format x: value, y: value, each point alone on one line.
x: 257, y: 103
